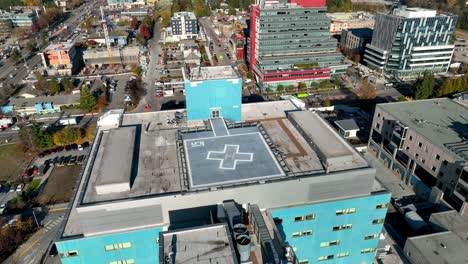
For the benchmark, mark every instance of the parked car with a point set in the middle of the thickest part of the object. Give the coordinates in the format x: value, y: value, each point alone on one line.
x: 60, y: 161
x: 2, y: 208
x: 59, y: 149
x: 85, y: 144
x: 80, y: 159
x: 68, y: 147
x: 80, y: 147
x: 19, y: 188
x: 12, y: 188
x: 73, y: 160
x: 67, y: 159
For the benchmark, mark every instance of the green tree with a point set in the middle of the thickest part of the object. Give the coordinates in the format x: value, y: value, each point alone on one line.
x: 324, y: 84
x: 326, y: 103
x: 302, y: 85
x: 232, y: 11
x: 34, y: 138
x: 290, y: 88
x: 314, y: 85
x: 15, y: 56
x: 53, y: 86
x: 268, y: 90
x: 425, y: 86
x: 67, y: 83
x: 280, y: 88
x: 87, y: 99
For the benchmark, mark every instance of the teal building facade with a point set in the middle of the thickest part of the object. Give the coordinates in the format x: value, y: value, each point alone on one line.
x: 337, y: 232
x: 140, y: 247
x: 214, y: 98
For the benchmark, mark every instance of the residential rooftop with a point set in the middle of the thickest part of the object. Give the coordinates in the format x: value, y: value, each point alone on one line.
x: 442, y: 121
x: 210, y: 73
x: 59, y: 46
x: 202, y: 245
x: 65, y: 99
x: 414, y: 12
x: 187, y: 15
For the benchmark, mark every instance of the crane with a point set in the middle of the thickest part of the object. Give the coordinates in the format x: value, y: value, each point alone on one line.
x: 104, y: 22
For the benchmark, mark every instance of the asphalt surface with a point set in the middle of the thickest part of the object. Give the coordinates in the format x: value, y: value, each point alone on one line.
x: 218, y: 41
x: 37, y: 245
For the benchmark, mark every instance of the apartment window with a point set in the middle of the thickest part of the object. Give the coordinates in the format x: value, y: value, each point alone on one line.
x: 437, y: 157
x: 346, y: 211
x: 303, y: 233
x: 420, y: 144
x: 310, y: 217
x: 445, y: 162
x: 342, y: 227
x: 378, y: 221
x: 296, y: 234
x: 304, y: 261
x: 410, y: 138
x: 330, y: 243
x: 378, y: 126
x: 342, y: 254
x: 298, y: 218
x: 373, y: 236
x: 423, y: 161
x: 322, y: 258
x: 367, y: 250
x: 381, y: 206
x: 433, y: 168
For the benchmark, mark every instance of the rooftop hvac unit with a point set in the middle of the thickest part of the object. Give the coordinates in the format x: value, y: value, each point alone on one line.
x: 243, y: 246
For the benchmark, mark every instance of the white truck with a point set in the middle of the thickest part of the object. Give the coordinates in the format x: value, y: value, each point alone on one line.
x: 67, y: 121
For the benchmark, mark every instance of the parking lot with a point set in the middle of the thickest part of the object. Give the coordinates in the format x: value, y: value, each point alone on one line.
x: 59, y: 185
x: 116, y: 98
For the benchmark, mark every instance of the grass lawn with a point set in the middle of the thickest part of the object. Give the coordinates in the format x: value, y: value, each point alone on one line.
x: 12, y: 163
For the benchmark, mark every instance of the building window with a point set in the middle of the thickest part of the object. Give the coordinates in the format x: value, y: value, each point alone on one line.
x: 304, y: 261
x: 342, y: 254
x: 126, y: 261
x: 303, y: 233
x: 378, y: 221
x: 322, y: 258
x: 298, y: 218
x: 441, y: 174
x: 374, y: 236
x: 420, y: 144
x: 378, y: 115
x: 445, y: 162
x: 346, y: 211
x: 378, y: 126
x: 330, y: 243
x: 367, y: 250
x: 437, y: 157
x: 342, y: 227
x: 310, y: 217
x: 381, y: 206
x: 72, y: 253
x: 433, y: 168
x: 118, y: 246
x: 410, y: 138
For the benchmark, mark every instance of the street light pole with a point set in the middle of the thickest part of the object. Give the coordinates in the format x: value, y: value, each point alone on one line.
x: 35, y: 219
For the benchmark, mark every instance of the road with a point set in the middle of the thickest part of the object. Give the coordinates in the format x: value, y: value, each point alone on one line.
x: 32, y: 251
x: 218, y: 42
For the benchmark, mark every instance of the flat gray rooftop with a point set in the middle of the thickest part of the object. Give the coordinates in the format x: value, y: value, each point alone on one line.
x: 211, y: 73
x: 441, y: 248
x: 224, y: 156
x: 442, y: 121
x: 114, y: 159
x: 204, y: 245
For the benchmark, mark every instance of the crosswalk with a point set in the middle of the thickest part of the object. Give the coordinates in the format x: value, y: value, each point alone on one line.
x: 52, y: 223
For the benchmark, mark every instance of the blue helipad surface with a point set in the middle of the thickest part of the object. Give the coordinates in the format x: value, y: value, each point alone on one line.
x: 232, y: 156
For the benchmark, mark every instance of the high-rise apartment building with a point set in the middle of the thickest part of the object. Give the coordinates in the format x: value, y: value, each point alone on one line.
x: 291, y: 43
x: 411, y: 41
x: 424, y: 142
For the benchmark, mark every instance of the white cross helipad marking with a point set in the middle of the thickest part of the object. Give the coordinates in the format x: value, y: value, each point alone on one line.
x: 229, y: 157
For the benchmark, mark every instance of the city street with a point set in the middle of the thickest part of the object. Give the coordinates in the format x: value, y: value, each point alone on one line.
x: 218, y: 41
x: 33, y: 250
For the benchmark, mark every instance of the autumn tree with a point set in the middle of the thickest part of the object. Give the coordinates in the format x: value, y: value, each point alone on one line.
x: 66, y: 136
x: 134, y: 23
x: 366, y: 90
x: 101, y: 104
x: 32, y: 2
x: 89, y: 132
